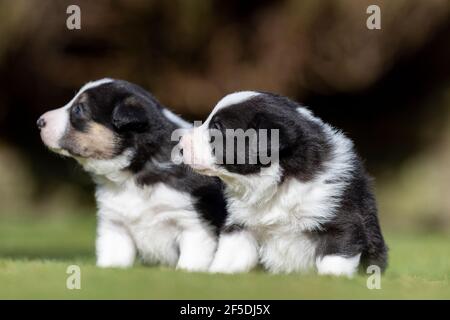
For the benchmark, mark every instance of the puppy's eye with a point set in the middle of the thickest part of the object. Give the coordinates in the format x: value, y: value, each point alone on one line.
x: 78, y: 110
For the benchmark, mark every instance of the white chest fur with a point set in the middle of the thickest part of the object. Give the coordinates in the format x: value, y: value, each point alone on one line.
x: 154, y: 217
x: 281, y: 223
x: 129, y: 203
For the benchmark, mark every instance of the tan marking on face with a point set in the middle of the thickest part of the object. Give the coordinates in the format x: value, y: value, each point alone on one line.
x: 98, y: 142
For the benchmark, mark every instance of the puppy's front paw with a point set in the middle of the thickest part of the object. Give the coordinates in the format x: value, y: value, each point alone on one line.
x: 237, y: 252
x: 192, y: 267
x: 121, y: 255
x: 114, y: 246
x: 233, y: 265
x: 114, y: 262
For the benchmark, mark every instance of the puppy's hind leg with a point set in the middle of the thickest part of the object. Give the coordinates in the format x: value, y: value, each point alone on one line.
x: 340, y: 252
x: 336, y: 265
x: 237, y: 252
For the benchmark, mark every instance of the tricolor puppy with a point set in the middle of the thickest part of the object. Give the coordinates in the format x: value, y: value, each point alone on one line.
x: 311, y: 207
x: 147, y: 204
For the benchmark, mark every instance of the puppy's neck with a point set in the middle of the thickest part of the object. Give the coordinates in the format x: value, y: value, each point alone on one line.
x: 254, y: 189
x: 110, y: 170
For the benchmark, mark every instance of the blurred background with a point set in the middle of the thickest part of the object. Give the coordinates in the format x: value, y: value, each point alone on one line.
x: 388, y: 89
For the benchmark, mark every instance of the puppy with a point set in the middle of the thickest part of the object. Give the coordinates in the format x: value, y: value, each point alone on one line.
x: 312, y: 207
x: 147, y: 204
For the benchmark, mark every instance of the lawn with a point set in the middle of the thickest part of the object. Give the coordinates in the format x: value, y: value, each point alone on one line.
x: 35, y: 253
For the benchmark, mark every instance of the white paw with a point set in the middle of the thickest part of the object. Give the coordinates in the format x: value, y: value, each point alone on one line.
x: 114, y: 262
x: 240, y: 265
x: 196, y: 250
x: 115, y: 254
x: 337, y: 265
x: 192, y: 267
x: 114, y: 246
x: 237, y: 252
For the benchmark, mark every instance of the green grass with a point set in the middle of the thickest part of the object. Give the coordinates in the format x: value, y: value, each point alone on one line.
x: 35, y: 253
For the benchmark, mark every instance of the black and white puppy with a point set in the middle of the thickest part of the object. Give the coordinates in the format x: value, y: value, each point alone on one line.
x: 147, y: 204
x: 312, y: 208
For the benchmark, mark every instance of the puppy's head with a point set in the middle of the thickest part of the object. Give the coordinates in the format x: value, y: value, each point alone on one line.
x: 101, y: 121
x: 255, y: 130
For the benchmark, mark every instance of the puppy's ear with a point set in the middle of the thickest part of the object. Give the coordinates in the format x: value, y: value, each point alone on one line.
x: 130, y: 115
x: 272, y: 122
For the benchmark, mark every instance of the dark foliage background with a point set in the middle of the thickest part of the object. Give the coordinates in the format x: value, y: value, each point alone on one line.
x: 389, y: 89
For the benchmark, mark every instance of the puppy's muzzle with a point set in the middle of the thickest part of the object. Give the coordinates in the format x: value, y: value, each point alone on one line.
x: 52, y: 126
x: 196, y: 150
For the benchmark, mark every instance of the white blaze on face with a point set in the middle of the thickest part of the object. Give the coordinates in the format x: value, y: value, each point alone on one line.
x: 57, y: 121
x: 229, y: 100
x: 197, y: 150
x: 55, y: 126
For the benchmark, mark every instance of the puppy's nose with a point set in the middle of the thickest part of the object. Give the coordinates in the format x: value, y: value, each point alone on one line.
x: 41, y: 123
